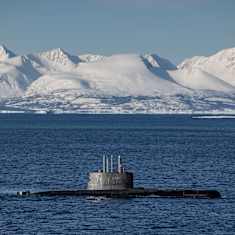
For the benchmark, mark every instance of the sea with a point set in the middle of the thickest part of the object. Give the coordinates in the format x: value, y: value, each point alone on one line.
x: 56, y: 152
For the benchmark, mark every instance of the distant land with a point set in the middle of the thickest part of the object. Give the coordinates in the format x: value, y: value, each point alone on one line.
x: 56, y: 82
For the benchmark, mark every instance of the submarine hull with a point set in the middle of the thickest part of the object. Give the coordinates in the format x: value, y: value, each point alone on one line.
x: 129, y: 193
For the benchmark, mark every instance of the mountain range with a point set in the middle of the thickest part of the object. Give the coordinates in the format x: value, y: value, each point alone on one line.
x: 56, y: 81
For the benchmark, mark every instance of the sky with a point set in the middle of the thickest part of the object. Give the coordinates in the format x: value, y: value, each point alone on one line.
x: 174, y: 29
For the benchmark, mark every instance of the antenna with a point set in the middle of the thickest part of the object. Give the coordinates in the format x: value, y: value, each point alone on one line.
x: 107, y: 164
x: 111, y: 163
x: 119, y: 164
x: 104, y: 162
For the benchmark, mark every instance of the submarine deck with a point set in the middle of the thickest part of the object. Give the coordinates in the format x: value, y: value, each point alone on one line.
x: 128, y: 193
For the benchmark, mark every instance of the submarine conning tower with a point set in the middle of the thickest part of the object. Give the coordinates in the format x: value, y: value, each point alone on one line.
x: 110, y: 179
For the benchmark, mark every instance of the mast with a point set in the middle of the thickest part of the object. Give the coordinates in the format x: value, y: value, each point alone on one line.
x: 104, y: 163
x: 119, y: 164
x: 107, y: 164
x: 111, y: 164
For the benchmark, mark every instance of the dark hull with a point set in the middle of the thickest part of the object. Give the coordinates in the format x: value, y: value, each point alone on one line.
x: 128, y: 193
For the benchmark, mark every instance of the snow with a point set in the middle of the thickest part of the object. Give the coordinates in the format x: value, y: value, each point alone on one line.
x: 59, y: 56
x: 13, y: 83
x: 197, y: 79
x: 125, y: 75
x: 118, y: 75
x: 56, y: 81
x: 220, y: 65
x: 89, y: 58
x: 5, y: 53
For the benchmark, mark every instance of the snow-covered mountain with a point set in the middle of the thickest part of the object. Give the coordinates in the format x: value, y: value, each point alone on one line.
x: 57, y: 81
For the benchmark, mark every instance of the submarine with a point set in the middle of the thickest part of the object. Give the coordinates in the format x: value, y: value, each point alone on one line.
x: 118, y: 183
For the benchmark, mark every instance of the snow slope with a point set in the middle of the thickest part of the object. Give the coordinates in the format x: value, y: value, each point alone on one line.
x: 12, y: 82
x: 16, y: 75
x: 220, y: 65
x: 197, y: 79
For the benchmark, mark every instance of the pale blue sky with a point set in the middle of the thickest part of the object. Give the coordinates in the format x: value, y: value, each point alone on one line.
x: 175, y: 29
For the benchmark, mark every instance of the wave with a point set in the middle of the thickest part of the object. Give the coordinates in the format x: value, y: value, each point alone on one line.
x: 214, y: 117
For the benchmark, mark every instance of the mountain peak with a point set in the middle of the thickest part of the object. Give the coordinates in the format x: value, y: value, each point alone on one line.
x: 5, y: 53
x: 60, y: 56
x: 155, y: 61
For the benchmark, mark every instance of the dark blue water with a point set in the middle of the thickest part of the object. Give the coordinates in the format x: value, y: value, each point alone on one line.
x: 43, y: 152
